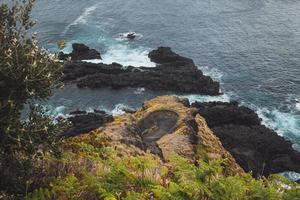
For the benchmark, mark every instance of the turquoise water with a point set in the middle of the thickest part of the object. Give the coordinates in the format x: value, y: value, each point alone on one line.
x: 251, y: 46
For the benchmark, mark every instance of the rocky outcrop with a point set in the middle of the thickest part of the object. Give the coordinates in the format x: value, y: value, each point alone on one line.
x: 255, y: 147
x: 223, y: 113
x: 80, y: 52
x: 166, y: 55
x: 173, y: 73
x: 164, y: 126
x: 84, y: 122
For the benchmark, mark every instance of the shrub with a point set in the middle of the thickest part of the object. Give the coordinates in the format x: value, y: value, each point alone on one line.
x: 27, y: 73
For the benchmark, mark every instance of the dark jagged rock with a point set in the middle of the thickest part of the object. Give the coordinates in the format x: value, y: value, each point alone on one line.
x: 166, y: 55
x: 78, y: 112
x: 80, y: 52
x: 83, y: 122
x: 255, y: 147
x: 174, y: 73
x: 222, y: 113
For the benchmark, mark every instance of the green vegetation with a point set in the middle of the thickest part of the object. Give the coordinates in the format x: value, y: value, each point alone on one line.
x: 92, y: 169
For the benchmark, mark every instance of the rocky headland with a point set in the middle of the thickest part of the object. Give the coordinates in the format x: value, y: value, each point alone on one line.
x: 168, y: 125
x: 164, y: 126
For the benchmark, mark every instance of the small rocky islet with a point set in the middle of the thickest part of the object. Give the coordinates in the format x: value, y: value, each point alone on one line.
x: 167, y: 125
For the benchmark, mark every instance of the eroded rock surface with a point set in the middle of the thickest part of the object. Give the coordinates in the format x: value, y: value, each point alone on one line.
x: 255, y: 147
x: 173, y: 73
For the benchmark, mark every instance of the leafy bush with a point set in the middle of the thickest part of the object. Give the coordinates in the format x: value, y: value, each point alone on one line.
x: 27, y: 73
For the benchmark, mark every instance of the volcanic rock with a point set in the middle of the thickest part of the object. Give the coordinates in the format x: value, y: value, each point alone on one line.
x: 166, y: 55
x: 84, y: 122
x: 80, y: 52
x: 223, y: 113
x: 173, y: 73
x: 255, y: 147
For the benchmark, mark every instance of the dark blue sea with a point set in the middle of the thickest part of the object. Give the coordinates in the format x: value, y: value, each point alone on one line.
x: 251, y: 46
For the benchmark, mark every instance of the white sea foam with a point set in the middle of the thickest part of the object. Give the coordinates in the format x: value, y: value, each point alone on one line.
x: 82, y: 19
x: 212, y: 72
x: 139, y: 91
x: 206, y: 98
x: 123, y: 37
x: 292, y: 175
x: 119, y: 109
x: 123, y: 54
x: 96, y: 61
x: 297, y: 106
x: 285, y: 124
x: 90, y: 110
x: 58, y: 111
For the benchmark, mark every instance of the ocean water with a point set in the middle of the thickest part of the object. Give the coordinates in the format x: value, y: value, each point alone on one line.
x: 251, y: 46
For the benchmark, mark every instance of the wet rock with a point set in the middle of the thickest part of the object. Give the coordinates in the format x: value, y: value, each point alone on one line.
x: 80, y: 52
x: 222, y: 113
x: 174, y: 73
x: 166, y: 55
x: 255, y: 147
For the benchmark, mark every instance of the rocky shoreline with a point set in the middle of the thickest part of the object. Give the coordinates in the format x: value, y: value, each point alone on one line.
x: 80, y: 52
x: 84, y: 122
x: 254, y: 147
x: 173, y: 73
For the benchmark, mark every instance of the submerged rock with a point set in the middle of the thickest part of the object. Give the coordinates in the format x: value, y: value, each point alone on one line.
x: 255, y: 147
x: 80, y: 52
x: 173, y: 73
